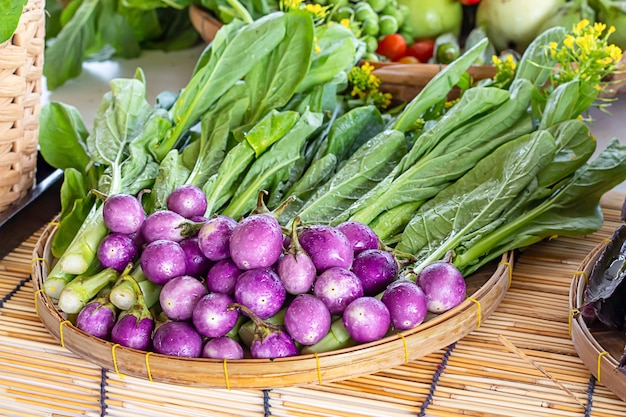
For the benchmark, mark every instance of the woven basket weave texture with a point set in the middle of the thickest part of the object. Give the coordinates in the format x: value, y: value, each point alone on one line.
x: 21, y: 65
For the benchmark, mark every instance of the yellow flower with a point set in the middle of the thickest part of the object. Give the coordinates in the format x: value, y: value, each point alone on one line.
x: 569, y: 41
x: 317, y: 49
x: 510, y: 62
x: 345, y: 22
x: 367, y: 68
x: 614, y: 52
x: 316, y: 10
x: 580, y: 26
x: 292, y: 4
x: 599, y: 27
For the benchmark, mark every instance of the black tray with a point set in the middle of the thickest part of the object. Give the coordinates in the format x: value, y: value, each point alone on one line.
x: 22, y: 218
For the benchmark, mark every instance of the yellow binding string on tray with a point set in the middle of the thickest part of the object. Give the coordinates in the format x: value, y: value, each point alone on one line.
x: 226, y: 376
x: 584, y: 274
x: 406, y: 349
x: 510, y: 269
x: 54, y: 224
x: 148, y: 367
x: 600, y: 355
x: 571, y: 319
x: 61, y: 332
x: 319, y: 370
x: 39, y: 291
x: 479, y: 308
x: 45, y: 261
x: 114, y: 357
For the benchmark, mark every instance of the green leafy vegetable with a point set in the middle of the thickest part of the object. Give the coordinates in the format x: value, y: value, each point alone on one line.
x: 366, y: 167
x: 477, y: 199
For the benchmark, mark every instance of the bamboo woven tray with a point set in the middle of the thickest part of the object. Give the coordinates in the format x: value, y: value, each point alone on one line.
x: 486, y: 290
x: 598, y: 348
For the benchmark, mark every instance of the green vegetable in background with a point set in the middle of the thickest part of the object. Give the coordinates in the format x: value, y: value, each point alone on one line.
x: 11, y: 12
x: 431, y: 18
x: 570, y: 14
x: 228, y: 10
x: 514, y: 24
x: 613, y: 13
x: 100, y: 29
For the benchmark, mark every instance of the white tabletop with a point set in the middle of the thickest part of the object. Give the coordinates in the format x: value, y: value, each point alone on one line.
x: 172, y: 70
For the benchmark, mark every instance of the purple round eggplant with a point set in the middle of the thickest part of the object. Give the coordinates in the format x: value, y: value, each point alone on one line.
x: 177, y: 338
x: 276, y: 344
x: 123, y: 213
x: 406, y: 303
x: 261, y: 291
x: 197, y: 264
x: 443, y: 285
x: 337, y: 287
x: 168, y: 225
x: 307, y: 319
x: 376, y: 269
x: 295, y: 268
x: 366, y: 319
x: 97, y: 319
x: 297, y: 272
x: 187, y: 200
x: 327, y: 246
x: 179, y: 297
x: 163, y: 260
x: 360, y: 235
x: 116, y: 251
x: 256, y: 242
x: 133, y: 332
x: 212, y: 316
x: 222, y: 277
x: 214, y: 237
x: 222, y: 348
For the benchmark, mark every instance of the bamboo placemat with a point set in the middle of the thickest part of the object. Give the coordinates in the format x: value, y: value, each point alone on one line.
x: 520, y: 362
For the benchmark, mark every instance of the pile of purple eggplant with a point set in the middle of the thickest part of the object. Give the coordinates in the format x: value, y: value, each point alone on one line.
x: 177, y: 283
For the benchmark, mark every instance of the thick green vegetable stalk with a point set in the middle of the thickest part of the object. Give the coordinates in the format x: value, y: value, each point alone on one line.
x: 81, y: 290
x: 123, y: 294
x: 336, y: 338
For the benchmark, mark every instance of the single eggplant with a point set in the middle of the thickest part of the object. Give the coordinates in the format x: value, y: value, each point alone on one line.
x: 296, y: 269
x: 270, y: 341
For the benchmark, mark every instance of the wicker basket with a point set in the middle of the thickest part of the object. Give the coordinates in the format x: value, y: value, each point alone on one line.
x: 485, y: 289
x: 21, y: 65
x: 598, y: 348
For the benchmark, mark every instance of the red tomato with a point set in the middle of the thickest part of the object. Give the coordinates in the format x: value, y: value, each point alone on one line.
x: 392, y: 46
x: 422, y: 49
x: 469, y: 2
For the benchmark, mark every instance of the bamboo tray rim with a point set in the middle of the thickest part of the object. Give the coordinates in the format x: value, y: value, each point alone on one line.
x: 601, y: 363
x: 362, y: 359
